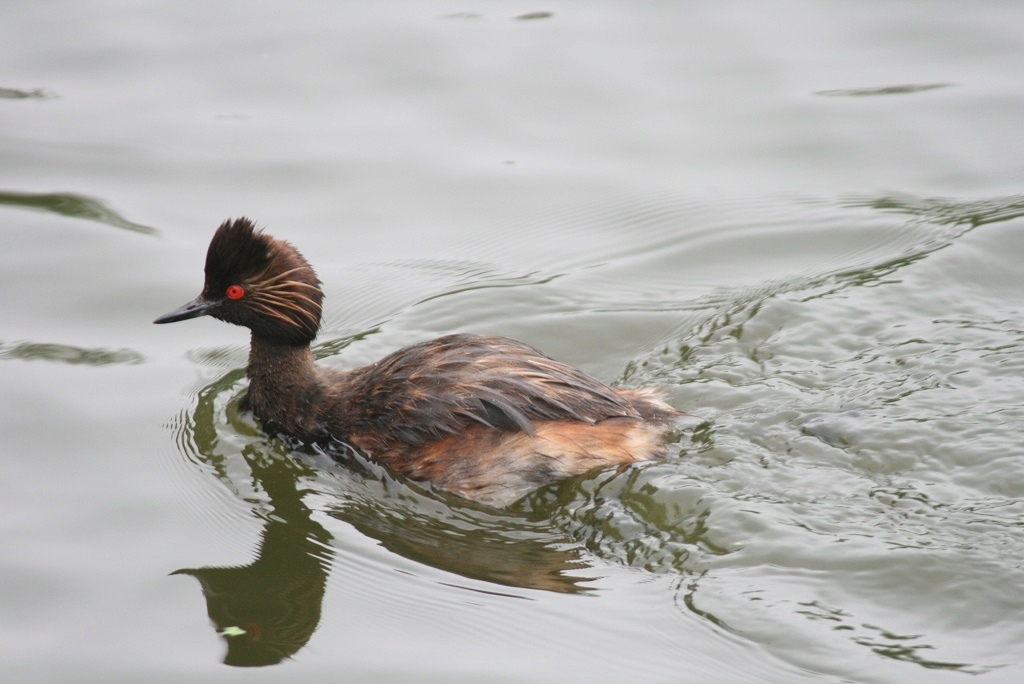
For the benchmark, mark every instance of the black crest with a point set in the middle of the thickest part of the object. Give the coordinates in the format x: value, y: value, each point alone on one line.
x: 238, y: 251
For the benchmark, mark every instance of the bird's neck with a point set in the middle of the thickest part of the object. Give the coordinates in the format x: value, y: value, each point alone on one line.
x: 284, y: 386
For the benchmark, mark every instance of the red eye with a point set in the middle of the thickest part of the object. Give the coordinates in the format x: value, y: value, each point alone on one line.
x: 235, y: 292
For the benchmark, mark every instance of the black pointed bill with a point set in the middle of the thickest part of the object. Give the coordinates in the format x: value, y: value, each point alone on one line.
x: 194, y: 309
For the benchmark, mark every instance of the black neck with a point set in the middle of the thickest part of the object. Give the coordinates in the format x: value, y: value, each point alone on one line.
x: 284, y: 387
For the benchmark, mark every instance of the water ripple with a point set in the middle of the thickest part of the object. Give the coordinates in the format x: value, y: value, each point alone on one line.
x: 65, y: 353
x: 74, y: 206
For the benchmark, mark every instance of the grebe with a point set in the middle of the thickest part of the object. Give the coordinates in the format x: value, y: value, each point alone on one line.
x: 488, y: 418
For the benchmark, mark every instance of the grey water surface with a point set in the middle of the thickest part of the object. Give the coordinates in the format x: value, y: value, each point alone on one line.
x: 803, y: 220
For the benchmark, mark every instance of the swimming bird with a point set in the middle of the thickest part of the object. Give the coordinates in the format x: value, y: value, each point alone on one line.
x: 486, y: 417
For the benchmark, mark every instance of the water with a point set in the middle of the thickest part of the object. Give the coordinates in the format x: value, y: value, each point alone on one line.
x: 803, y: 221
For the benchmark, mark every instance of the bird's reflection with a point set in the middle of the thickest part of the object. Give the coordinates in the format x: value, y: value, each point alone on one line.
x: 268, y: 610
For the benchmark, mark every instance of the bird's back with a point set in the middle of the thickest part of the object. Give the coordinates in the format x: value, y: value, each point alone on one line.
x: 491, y: 417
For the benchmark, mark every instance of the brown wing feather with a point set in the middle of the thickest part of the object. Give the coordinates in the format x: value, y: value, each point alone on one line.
x: 431, y: 390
